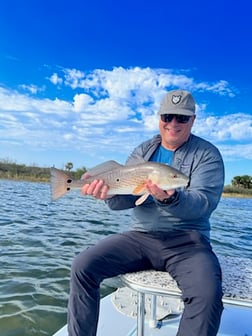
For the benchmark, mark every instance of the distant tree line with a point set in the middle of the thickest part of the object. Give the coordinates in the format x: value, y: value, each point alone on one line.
x: 244, y: 181
x: 12, y: 170
x: 240, y: 185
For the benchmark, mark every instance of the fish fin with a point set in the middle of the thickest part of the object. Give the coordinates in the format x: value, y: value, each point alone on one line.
x: 139, y: 189
x: 141, y: 199
x: 104, y: 167
x: 60, y: 183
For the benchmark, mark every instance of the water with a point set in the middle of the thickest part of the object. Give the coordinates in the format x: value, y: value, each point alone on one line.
x: 39, y: 240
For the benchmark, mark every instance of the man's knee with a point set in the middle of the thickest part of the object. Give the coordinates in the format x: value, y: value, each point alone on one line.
x: 204, y: 299
x: 85, y: 266
x: 79, y: 263
x: 209, y: 292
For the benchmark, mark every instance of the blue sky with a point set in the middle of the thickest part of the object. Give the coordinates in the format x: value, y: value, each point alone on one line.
x: 81, y: 81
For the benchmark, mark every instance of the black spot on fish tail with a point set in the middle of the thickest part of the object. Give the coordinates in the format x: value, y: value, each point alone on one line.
x: 60, y: 183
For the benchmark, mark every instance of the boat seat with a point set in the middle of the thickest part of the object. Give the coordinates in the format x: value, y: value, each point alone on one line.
x: 148, y: 290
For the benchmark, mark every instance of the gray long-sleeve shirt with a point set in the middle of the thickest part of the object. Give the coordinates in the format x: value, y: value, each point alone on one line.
x: 193, y: 205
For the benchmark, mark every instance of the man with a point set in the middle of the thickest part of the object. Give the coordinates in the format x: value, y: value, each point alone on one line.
x: 171, y: 230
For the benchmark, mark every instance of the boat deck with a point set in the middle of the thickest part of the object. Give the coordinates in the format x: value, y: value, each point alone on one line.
x: 118, y: 311
x: 236, y: 321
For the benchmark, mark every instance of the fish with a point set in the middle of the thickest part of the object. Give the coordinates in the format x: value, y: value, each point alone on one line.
x: 121, y: 179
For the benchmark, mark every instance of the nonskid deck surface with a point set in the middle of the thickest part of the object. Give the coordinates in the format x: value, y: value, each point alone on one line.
x: 236, y: 321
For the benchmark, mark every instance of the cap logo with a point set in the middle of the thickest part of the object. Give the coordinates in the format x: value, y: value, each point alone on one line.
x: 176, y: 99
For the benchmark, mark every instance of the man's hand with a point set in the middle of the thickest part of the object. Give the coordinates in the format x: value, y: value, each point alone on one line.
x: 158, y: 193
x: 97, y: 188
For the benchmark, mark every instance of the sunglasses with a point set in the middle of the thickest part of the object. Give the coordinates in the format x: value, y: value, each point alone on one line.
x: 180, y: 118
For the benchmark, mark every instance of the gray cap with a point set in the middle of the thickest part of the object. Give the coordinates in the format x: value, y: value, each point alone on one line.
x: 178, y: 102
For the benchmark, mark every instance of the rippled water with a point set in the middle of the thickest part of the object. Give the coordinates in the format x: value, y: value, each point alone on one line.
x: 39, y: 240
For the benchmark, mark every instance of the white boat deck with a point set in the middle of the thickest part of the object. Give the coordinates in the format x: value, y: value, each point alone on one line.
x: 236, y: 321
x: 118, y: 311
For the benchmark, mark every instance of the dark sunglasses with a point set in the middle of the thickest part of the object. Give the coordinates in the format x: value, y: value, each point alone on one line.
x: 180, y: 118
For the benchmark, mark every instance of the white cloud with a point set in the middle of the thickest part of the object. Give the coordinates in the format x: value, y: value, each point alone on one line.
x: 113, y: 111
x: 55, y: 79
x: 222, y: 87
x: 12, y: 101
x: 236, y: 151
x: 125, y: 83
x: 73, y: 77
x: 34, y: 89
x: 81, y: 102
x: 237, y: 127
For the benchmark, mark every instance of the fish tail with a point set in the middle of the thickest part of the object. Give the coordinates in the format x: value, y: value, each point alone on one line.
x: 59, y: 183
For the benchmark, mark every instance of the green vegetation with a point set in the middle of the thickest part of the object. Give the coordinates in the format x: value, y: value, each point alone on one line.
x: 14, y: 171
x: 231, y: 191
x: 241, y: 185
x: 244, y: 182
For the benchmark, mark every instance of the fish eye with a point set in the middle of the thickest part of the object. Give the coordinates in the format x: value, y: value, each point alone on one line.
x: 175, y: 175
x: 69, y: 181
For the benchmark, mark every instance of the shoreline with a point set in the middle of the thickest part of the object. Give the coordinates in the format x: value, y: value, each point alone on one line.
x: 236, y: 195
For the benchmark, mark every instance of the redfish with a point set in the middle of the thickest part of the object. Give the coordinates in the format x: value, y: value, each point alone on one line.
x: 121, y: 180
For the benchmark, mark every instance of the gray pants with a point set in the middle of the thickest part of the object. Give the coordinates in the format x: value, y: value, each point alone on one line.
x: 186, y: 255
